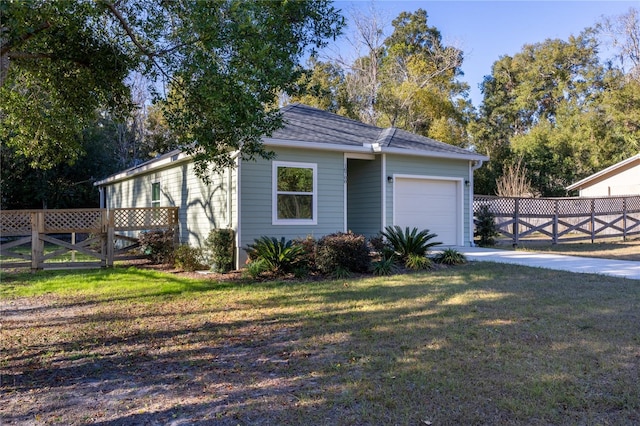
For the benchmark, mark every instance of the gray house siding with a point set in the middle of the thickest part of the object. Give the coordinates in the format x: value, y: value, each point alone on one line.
x: 201, y: 207
x: 421, y: 166
x: 256, y: 193
x: 364, y: 199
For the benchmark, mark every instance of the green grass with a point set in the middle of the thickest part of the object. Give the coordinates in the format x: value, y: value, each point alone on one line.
x: 98, y: 283
x: 475, y: 344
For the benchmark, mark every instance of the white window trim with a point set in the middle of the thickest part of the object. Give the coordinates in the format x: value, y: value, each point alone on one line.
x: 274, y: 194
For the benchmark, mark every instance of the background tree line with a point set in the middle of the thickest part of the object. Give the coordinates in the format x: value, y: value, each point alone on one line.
x: 89, y: 88
x: 550, y: 115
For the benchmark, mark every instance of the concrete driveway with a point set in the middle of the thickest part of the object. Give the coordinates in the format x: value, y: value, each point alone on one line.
x: 587, y: 265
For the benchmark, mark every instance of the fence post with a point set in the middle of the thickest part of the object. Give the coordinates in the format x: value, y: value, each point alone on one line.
x: 111, y: 236
x: 555, y: 222
x: 37, y: 245
x: 516, y: 223
x: 624, y: 219
x: 593, y: 220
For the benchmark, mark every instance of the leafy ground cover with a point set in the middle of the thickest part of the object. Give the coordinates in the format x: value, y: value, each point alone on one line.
x: 475, y: 344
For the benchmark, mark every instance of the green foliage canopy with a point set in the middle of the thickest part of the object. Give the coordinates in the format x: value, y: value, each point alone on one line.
x: 225, y: 61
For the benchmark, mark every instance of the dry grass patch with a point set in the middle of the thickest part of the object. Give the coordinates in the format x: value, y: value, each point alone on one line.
x: 478, y: 344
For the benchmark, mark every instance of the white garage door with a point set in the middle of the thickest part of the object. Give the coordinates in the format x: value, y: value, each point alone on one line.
x: 429, y: 204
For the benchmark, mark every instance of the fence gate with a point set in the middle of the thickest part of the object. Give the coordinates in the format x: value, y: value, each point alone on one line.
x: 40, y: 238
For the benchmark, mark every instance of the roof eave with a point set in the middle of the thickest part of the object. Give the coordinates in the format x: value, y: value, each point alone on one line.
x: 471, y: 156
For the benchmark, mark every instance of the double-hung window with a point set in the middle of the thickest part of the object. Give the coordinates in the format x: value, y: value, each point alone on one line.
x: 155, y: 194
x: 295, y: 193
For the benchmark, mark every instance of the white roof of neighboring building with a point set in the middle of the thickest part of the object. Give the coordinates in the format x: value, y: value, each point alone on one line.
x: 611, y: 170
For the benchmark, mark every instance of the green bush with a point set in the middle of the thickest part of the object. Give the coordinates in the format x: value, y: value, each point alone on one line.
x: 307, y: 261
x: 409, y: 242
x: 417, y: 262
x: 450, y: 257
x: 385, y: 266
x: 219, y: 246
x: 486, y: 227
x: 255, y: 268
x: 339, y: 252
x: 279, y: 256
x: 188, y: 258
x: 382, y: 247
x: 158, y: 245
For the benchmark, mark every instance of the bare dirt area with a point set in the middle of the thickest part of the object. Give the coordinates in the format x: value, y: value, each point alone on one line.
x: 181, y: 362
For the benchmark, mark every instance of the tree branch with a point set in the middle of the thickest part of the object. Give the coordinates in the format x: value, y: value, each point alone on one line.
x: 127, y: 28
x: 6, y: 47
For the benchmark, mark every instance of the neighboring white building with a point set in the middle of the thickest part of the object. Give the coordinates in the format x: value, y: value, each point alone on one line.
x: 622, y: 178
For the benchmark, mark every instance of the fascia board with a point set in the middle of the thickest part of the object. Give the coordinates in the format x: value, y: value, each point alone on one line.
x: 152, y: 165
x: 279, y: 143
x: 435, y: 154
x: 286, y: 143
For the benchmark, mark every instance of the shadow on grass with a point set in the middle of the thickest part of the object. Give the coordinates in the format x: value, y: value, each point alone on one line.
x: 481, y: 343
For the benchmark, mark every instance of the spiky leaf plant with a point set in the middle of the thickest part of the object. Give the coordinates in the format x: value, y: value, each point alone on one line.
x: 409, y: 242
x: 279, y: 256
x: 450, y: 257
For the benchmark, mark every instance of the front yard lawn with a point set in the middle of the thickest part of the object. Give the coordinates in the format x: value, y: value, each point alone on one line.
x: 476, y: 344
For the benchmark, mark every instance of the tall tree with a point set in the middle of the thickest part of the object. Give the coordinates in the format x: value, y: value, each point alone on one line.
x: 420, y: 91
x: 407, y: 80
x: 225, y: 60
x: 544, y: 105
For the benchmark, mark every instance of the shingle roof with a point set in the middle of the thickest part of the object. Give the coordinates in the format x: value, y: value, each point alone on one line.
x: 316, y: 128
x: 307, y: 124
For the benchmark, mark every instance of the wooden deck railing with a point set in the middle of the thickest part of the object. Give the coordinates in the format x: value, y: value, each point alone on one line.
x: 563, y: 219
x: 105, y: 228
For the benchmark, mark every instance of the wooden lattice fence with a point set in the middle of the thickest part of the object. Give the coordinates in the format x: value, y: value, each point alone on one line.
x: 108, y: 235
x: 563, y: 219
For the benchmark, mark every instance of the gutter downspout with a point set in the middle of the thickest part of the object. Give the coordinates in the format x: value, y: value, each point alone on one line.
x: 102, y: 200
x: 234, y: 156
x: 473, y: 166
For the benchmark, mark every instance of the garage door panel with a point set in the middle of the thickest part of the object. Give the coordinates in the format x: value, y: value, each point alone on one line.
x: 429, y: 204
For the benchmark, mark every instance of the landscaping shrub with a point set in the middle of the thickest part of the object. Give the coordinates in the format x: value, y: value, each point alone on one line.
x: 486, y: 227
x: 158, y: 245
x: 255, y: 268
x: 188, y: 258
x: 339, y: 252
x: 417, y: 262
x: 450, y: 257
x: 382, y: 247
x: 219, y: 246
x: 385, y: 266
x: 307, y: 260
x: 409, y: 242
x: 279, y: 256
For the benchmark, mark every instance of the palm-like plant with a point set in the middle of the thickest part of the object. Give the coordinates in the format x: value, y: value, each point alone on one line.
x: 279, y: 256
x: 409, y: 242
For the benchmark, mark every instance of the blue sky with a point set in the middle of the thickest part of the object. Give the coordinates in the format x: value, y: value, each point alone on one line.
x: 487, y: 30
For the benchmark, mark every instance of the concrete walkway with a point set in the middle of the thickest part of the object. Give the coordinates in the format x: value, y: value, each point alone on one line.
x: 616, y: 268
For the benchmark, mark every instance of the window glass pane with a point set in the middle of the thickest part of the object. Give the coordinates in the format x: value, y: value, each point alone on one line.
x: 155, y: 193
x: 295, y: 179
x: 295, y: 206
